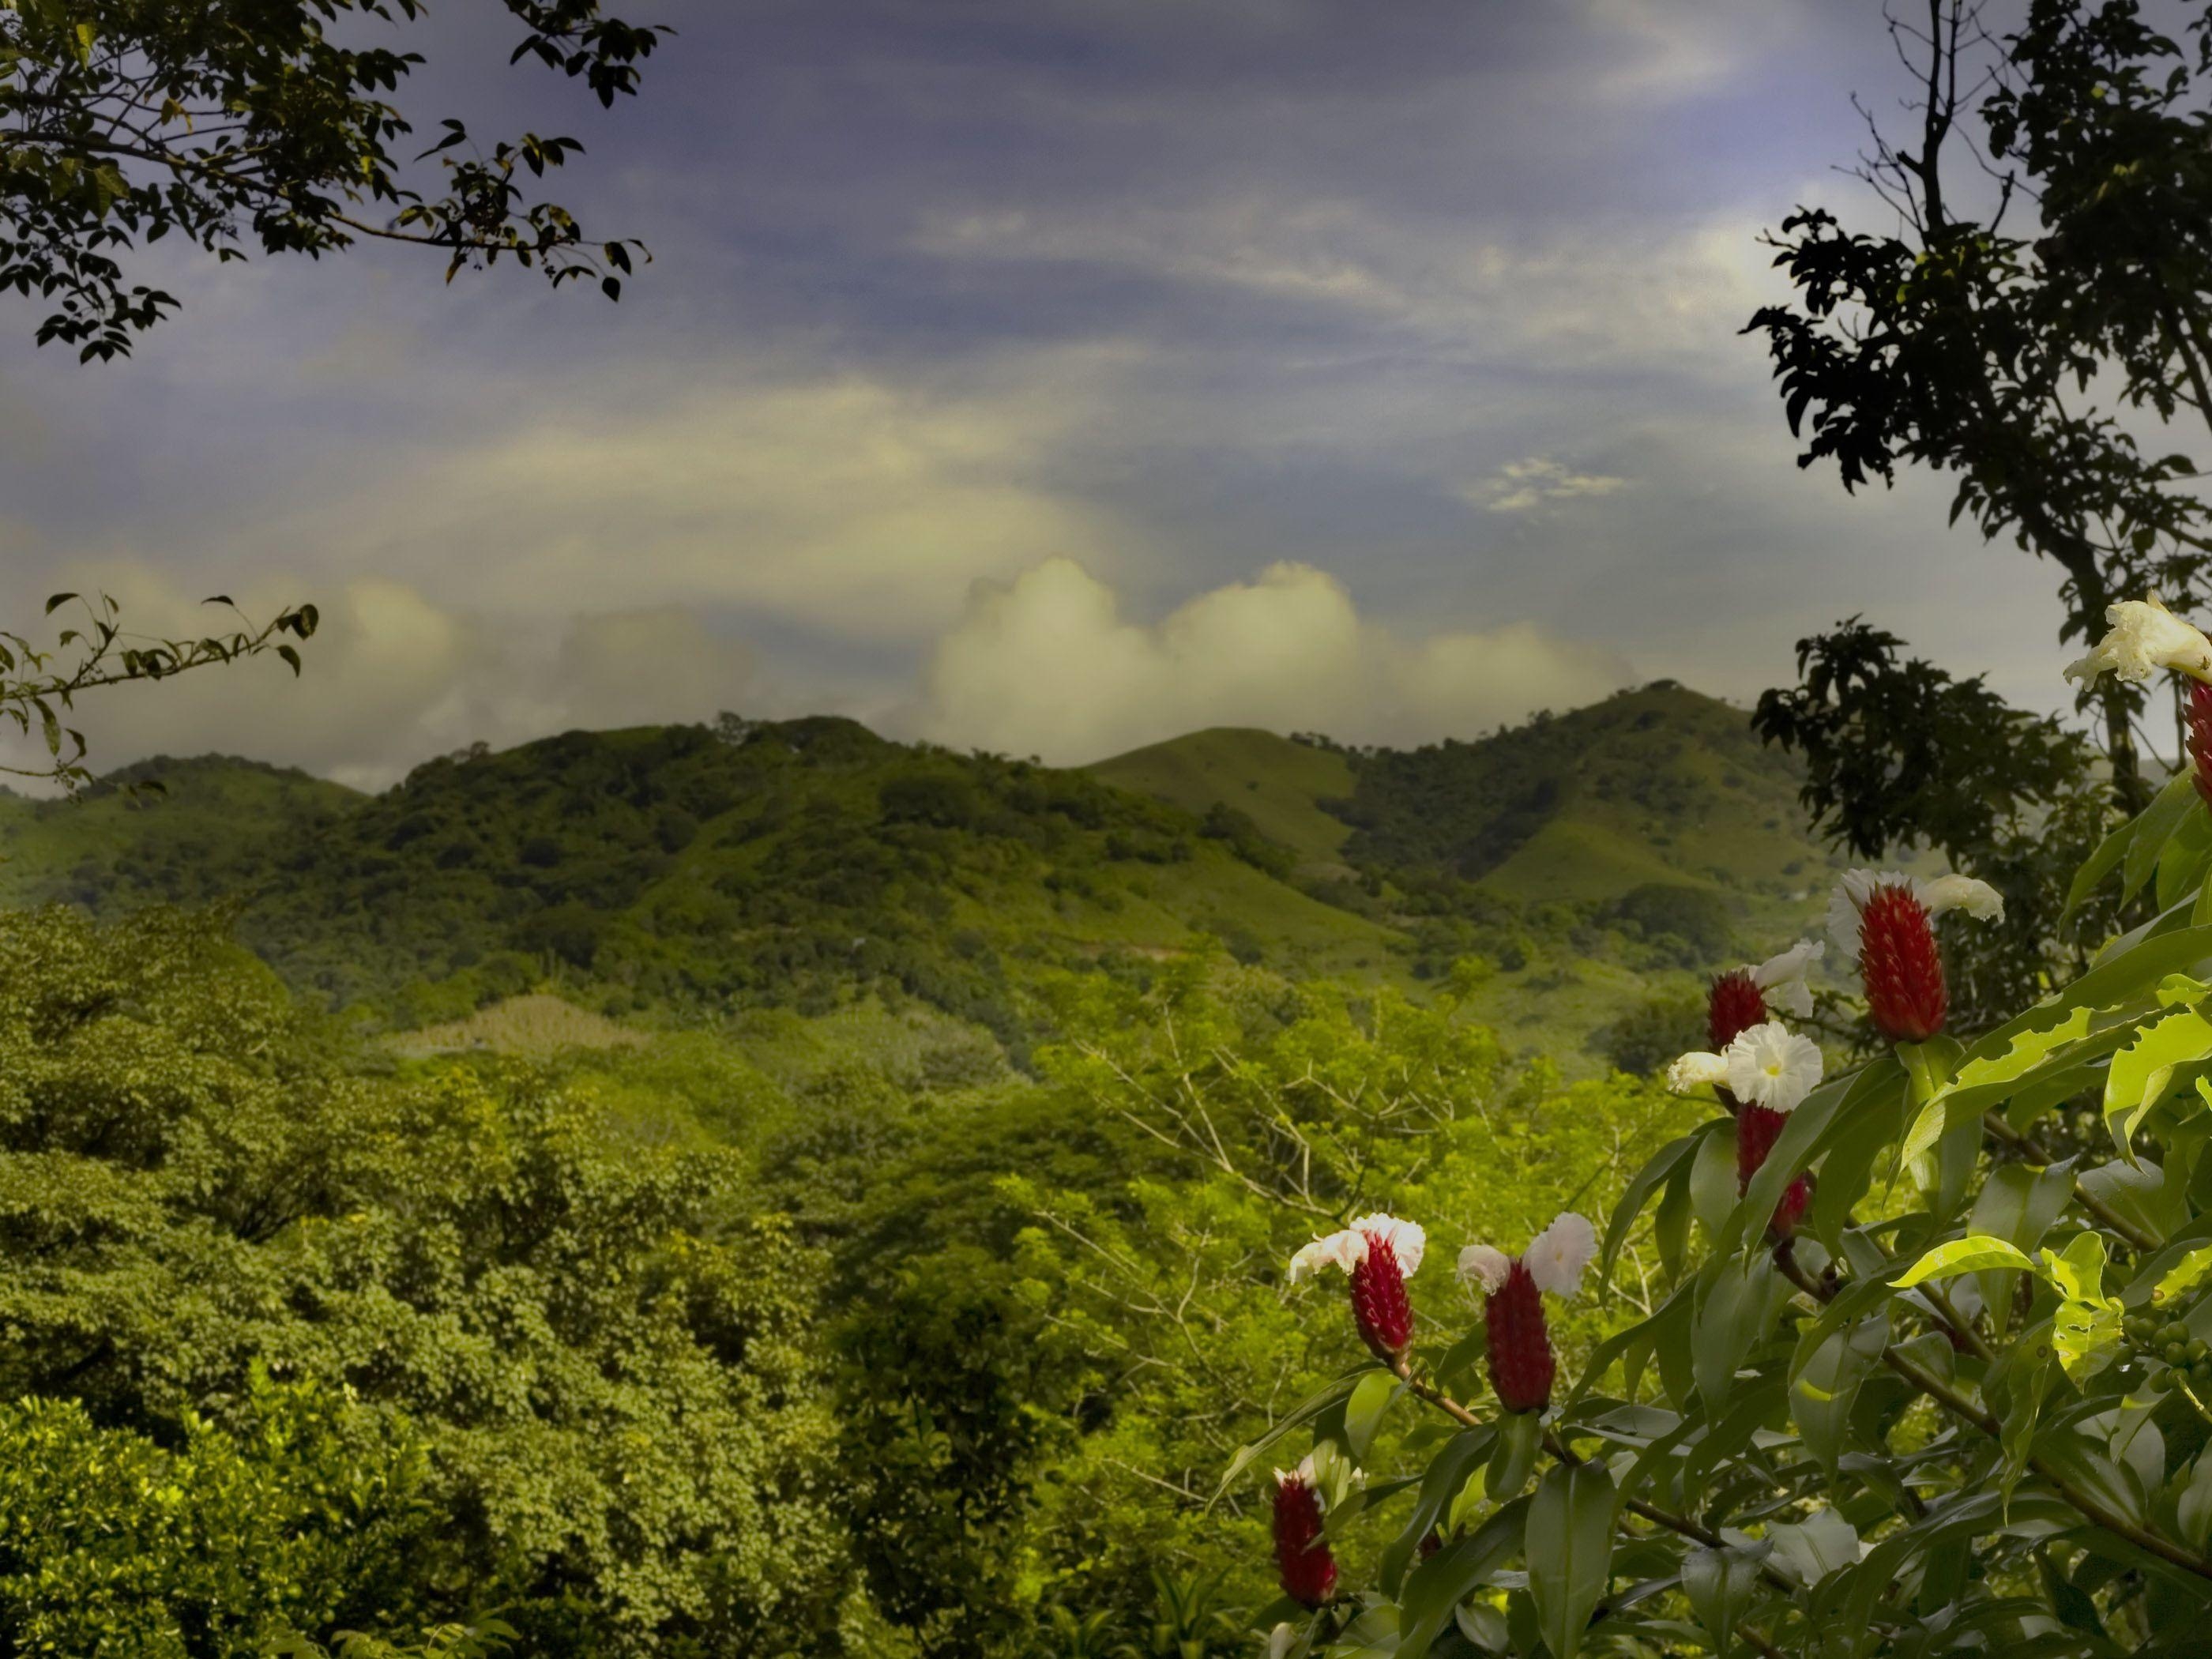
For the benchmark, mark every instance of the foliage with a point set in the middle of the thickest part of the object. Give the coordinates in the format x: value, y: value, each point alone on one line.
x: 2026, y: 361
x: 1900, y: 756
x: 606, y: 1359
x: 125, y: 123
x: 1962, y: 1408
x: 204, y: 1542
x: 39, y: 688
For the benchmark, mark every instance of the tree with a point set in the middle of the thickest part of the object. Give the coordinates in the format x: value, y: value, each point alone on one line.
x: 1900, y: 756
x: 606, y: 1356
x: 39, y: 688
x: 2029, y: 362
x: 240, y: 124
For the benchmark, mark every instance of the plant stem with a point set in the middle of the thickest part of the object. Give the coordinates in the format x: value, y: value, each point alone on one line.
x: 1682, y: 1524
x: 1956, y: 1403
x: 2033, y: 1150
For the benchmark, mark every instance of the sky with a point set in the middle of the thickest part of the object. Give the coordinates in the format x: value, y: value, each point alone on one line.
x: 1045, y: 376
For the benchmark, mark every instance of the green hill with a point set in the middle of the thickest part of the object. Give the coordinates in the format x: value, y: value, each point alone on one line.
x: 805, y: 864
x: 1278, y: 783
x: 1584, y: 862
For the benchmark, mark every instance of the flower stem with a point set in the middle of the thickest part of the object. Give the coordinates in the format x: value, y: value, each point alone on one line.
x: 1967, y: 1410
x: 1681, y: 1524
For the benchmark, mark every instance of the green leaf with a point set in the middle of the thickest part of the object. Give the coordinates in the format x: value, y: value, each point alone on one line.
x: 1656, y: 1169
x: 1305, y: 1411
x: 2159, y: 822
x: 1569, y: 1551
x: 1519, y: 1436
x: 2143, y: 1072
x: 58, y: 601
x: 1825, y: 1387
x: 1720, y: 1585
x: 2086, y: 1328
x: 2101, y: 863
x: 1970, y: 1255
x: 1369, y: 1398
x: 1982, y: 1081
x: 1440, y: 1583
x: 1448, y: 1473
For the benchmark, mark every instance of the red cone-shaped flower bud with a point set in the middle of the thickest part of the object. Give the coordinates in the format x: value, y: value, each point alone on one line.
x: 1522, y: 1365
x: 1904, y: 990
x: 1756, y: 1130
x: 1735, y: 1005
x: 1379, y: 1304
x: 2200, y: 738
x: 1302, y: 1561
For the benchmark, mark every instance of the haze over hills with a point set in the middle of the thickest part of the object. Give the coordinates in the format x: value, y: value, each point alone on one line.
x: 1580, y: 863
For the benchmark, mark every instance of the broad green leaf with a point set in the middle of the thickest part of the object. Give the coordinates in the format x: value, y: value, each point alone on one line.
x: 1982, y: 1081
x: 1369, y: 1398
x: 1969, y: 1255
x: 1720, y: 1584
x: 1569, y: 1551
x: 2184, y: 1276
x: 2017, y: 1204
x: 1737, y: 1307
x: 1305, y: 1411
x: 1655, y: 1170
x: 1446, y: 1473
x: 1712, y: 1178
x: 1464, y: 1565
x: 2125, y: 976
x: 2086, y: 1328
x: 2160, y: 820
x: 2143, y: 1071
x: 1821, y: 1544
x: 2101, y: 863
x: 1519, y: 1435
x: 2193, y: 1505
x: 1833, y: 1115
x: 1825, y: 1388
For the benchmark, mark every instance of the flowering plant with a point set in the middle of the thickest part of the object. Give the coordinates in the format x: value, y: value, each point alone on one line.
x: 1936, y: 1379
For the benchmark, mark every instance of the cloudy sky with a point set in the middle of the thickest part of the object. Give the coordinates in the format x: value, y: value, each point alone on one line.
x: 1043, y: 375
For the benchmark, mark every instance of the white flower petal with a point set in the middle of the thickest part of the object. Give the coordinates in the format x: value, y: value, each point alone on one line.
x: 1345, y: 1251
x: 1556, y: 1257
x: 1977, y: 898
x: 1781, y: 979
x: 1696, y: 1070
x: 1773, y: 1066
x: 1405, y: 1239
x: 1853, y: 889
x: 1485, y: 1265
x: 1303, y: 1475
x: 2144, y: 638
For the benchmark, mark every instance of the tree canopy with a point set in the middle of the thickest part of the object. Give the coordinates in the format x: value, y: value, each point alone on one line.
x: 265, y: 125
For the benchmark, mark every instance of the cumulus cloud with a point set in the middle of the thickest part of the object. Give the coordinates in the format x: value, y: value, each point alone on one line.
x: 1048, y: 665
x: 1521, y: 486
x: 855, y: 504
x: 393, y: 677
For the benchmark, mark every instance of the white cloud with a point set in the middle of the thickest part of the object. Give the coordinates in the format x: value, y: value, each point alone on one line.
x: 1521, y: 486
x: 859, y: 506
x: 1046, y: 664
x: 391, y: 678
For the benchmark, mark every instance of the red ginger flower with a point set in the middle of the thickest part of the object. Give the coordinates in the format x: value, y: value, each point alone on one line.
x: 1378, y: 1253
x: 1884, y: 923
x: 2200, y: 738
x: 1522, y: 1363
x: 1757, y: 1128
x: 1303, y: 1561
x: 1734, y: 1006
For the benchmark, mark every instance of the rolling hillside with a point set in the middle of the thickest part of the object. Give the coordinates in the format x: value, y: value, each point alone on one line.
x: 1578, y: 866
